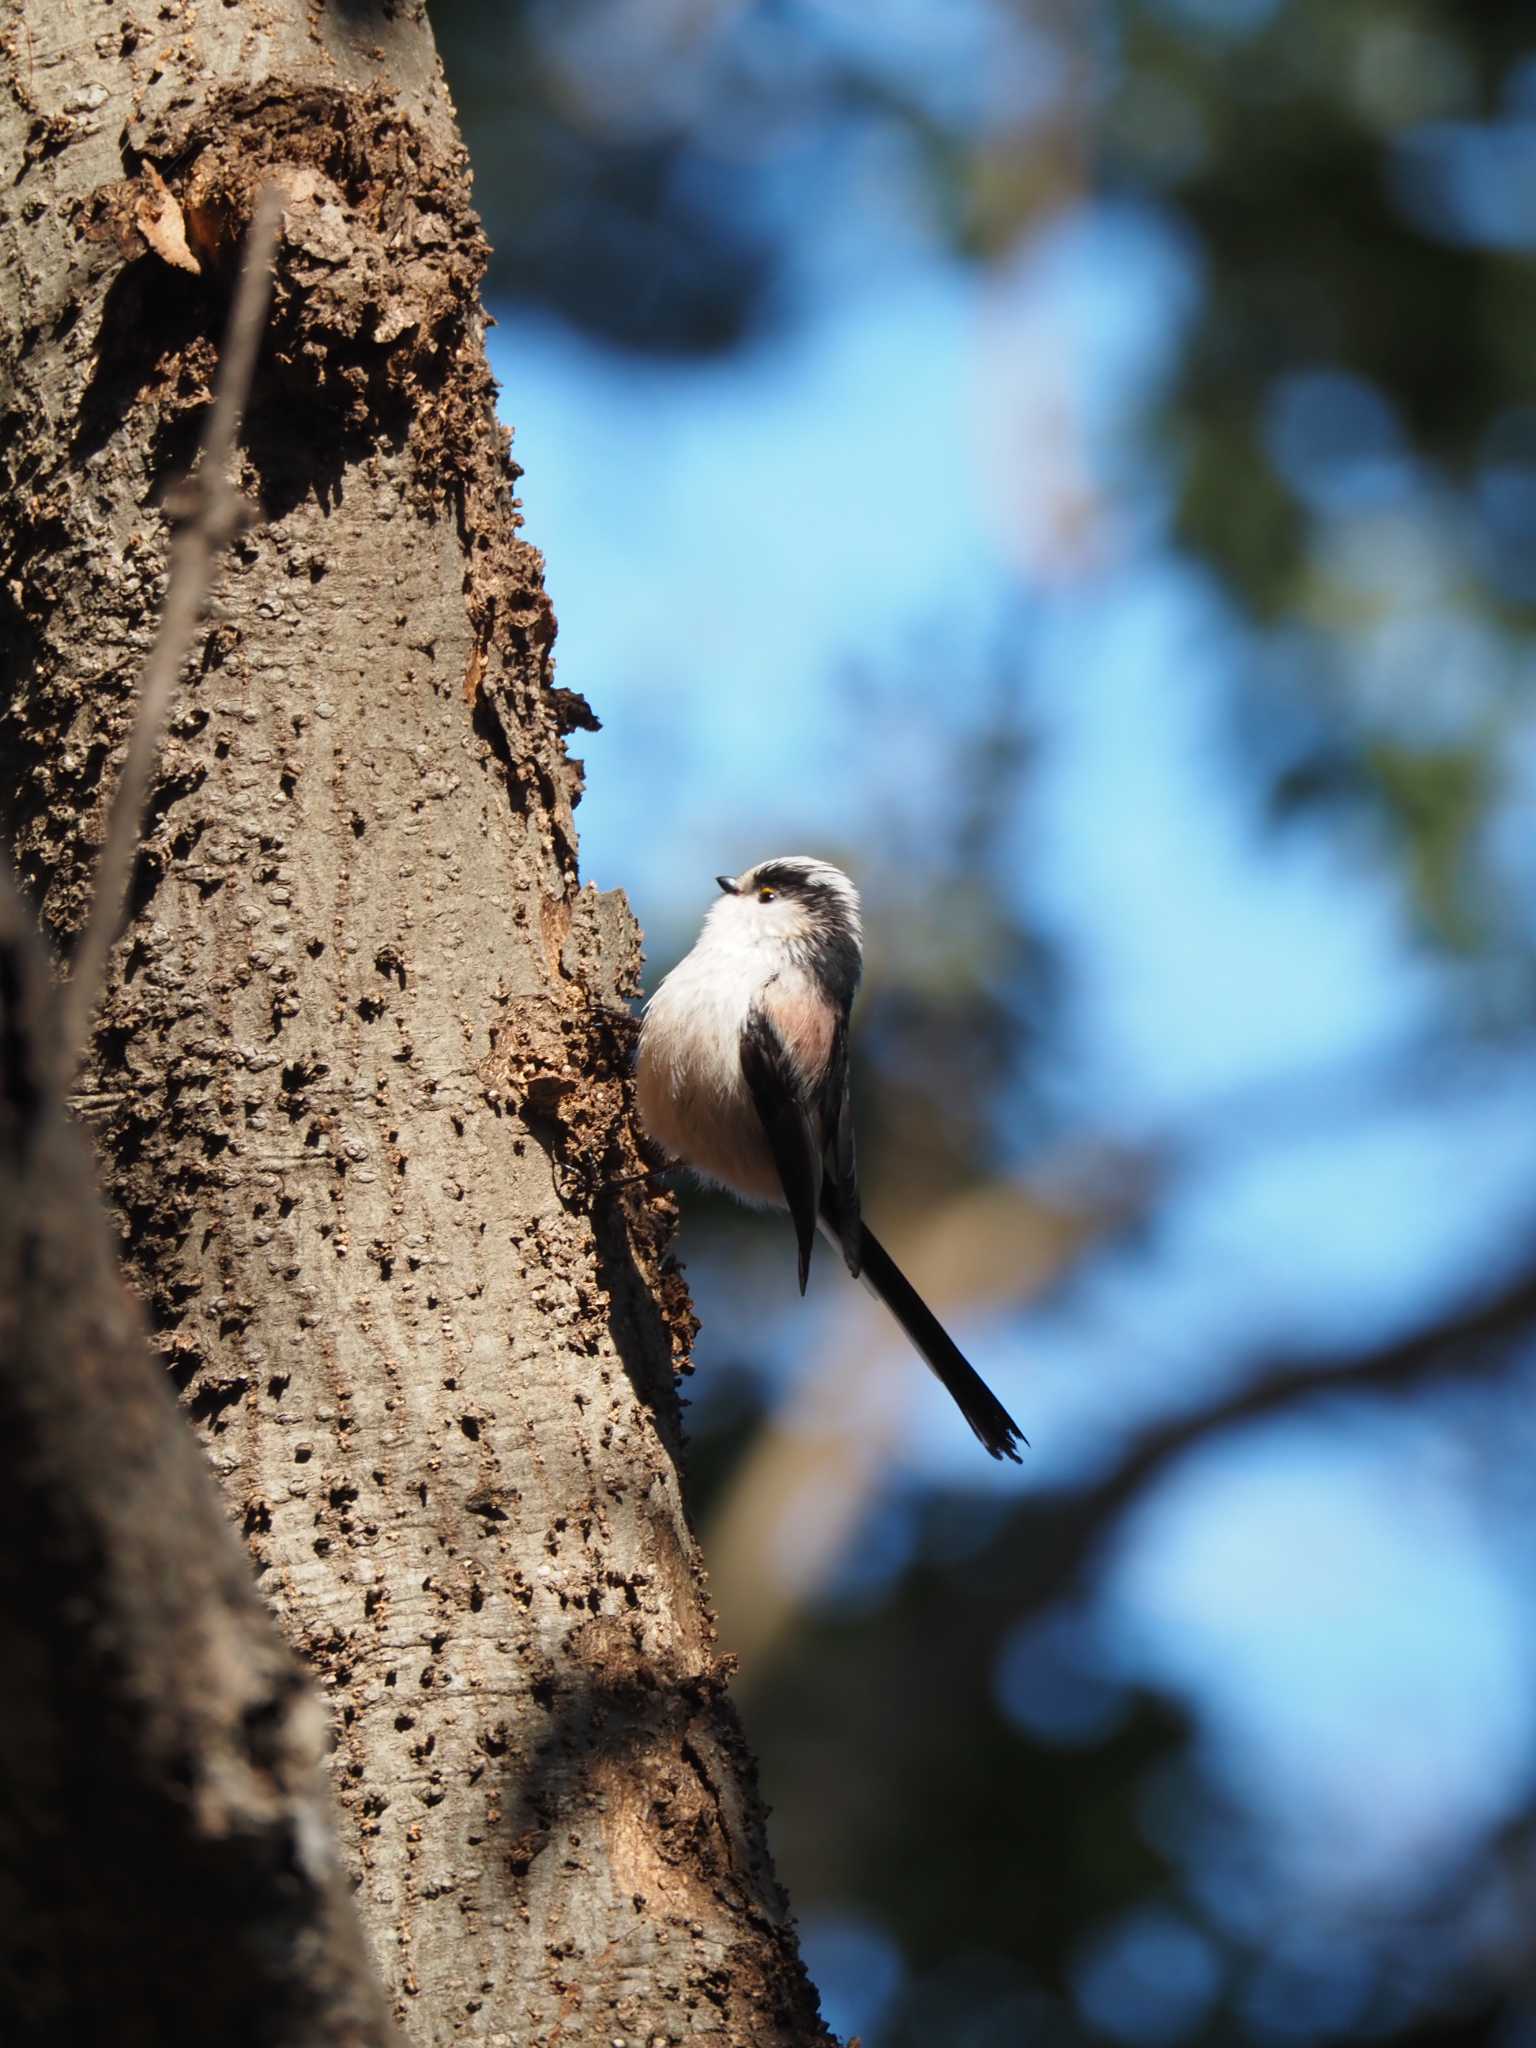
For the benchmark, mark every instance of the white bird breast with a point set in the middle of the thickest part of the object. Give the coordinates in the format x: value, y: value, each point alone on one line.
x: 691, y: 1094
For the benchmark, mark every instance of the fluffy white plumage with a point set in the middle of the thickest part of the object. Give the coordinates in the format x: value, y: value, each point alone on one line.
x: 691, y: 1094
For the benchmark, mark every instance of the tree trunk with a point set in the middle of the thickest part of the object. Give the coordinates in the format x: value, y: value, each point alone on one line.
x: 359, y: 1083
x: 162, y: 1751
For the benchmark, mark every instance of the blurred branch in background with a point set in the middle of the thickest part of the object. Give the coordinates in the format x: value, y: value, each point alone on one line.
x: 1472, y: 1341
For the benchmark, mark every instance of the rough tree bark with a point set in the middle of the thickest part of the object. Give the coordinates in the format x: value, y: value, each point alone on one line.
x: 359, y: 1085
x: 163, y: 1752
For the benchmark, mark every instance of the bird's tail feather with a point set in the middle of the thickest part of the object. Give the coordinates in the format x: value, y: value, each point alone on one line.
x: 989, y: 1419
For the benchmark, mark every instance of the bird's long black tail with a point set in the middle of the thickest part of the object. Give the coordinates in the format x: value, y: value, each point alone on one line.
x: 993, y: 1425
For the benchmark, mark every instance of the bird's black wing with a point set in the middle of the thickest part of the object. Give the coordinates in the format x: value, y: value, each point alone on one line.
x: 840, y: 1198
x: 789, y: 1123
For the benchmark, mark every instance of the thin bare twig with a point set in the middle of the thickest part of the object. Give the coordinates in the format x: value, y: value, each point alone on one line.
x: 210, y: 512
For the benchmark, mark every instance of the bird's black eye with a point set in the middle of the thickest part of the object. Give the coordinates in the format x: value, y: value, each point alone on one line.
x: 766, y: 895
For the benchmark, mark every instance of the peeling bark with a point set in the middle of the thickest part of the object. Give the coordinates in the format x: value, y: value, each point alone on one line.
x: 360, y: 1082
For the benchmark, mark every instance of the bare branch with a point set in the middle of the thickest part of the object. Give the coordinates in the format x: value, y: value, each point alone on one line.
x: 1472, y: 1338
x: 209, y: 511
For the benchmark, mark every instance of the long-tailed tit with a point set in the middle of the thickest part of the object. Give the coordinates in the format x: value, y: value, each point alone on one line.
x: 743, y: 1075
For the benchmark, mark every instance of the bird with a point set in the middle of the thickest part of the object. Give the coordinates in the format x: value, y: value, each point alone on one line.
x: 741, y: 1074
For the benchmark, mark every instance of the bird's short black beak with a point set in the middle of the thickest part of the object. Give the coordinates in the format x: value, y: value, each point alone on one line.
x: 728, y: 884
